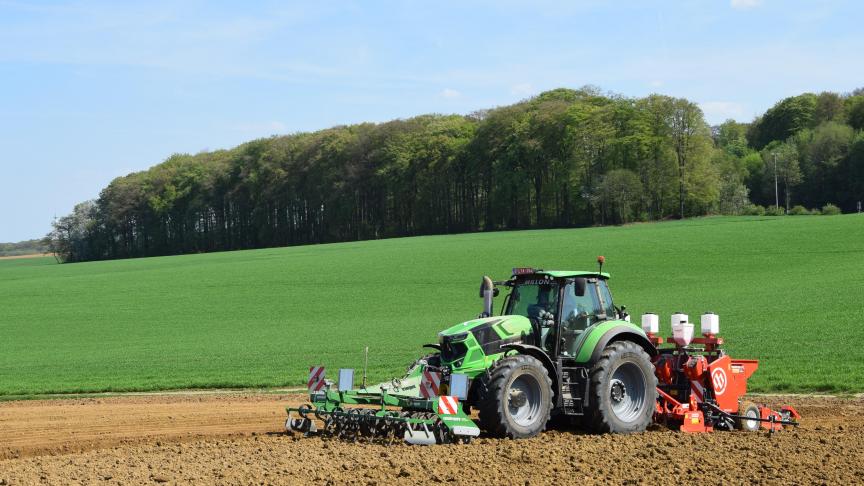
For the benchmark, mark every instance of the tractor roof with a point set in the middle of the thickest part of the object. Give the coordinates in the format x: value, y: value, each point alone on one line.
x: 572, y: 273
x: 559, y: 273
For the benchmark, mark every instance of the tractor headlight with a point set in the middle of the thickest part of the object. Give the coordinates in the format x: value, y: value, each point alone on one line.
x: 453, y: 348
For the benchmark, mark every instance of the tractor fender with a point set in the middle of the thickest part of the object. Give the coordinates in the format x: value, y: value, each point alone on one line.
x: 541, y: 355
x: 622, y: 333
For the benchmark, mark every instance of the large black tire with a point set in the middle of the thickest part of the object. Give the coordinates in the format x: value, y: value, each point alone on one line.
x: 515, y: 398
x: 623, y: 390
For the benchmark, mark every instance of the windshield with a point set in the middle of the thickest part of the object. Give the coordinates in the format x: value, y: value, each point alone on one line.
x: 529, y: 298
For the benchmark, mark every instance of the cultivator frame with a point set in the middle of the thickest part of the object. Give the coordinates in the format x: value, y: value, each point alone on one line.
x: 383, y: 417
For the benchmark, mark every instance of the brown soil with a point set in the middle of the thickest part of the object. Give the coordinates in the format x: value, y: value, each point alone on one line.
x: 217, y: 439
x: 17, y: 257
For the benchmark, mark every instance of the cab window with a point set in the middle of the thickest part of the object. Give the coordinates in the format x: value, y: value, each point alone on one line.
x: 579, y: 311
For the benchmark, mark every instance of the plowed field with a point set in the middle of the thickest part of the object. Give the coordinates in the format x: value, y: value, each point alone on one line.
x: 238, y: 439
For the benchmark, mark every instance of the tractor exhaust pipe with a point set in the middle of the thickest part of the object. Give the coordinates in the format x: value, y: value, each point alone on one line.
x: 487, y: 292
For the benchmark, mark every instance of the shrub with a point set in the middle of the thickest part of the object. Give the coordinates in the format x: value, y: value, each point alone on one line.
x: 799, y: 211
x: 753, y: 210
x: 830, y: 210
x: 774, y: 211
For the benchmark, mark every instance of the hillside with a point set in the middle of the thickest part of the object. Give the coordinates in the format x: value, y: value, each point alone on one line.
x: 28, y: 247
x: 788, y: 291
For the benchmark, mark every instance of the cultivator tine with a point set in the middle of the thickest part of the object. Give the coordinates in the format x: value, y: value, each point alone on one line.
x: 370, y: 425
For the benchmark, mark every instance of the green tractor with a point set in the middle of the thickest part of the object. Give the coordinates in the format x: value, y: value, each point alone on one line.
x: 559, y: 349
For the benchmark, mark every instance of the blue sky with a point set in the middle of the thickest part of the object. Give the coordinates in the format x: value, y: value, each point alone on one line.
x: 90, y: 91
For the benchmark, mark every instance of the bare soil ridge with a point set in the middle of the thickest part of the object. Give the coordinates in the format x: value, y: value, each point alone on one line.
x: 18, y: 257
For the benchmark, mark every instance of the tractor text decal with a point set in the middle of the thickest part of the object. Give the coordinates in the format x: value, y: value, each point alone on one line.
x: 535, y: 282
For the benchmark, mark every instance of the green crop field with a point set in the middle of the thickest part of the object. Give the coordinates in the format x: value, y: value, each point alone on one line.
x: 789, y: 291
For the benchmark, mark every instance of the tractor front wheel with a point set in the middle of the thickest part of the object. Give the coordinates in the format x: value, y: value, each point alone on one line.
x: 515, y: 398
x: 623, y: 390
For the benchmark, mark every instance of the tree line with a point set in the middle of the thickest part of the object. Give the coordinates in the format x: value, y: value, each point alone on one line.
x: 564, y: 158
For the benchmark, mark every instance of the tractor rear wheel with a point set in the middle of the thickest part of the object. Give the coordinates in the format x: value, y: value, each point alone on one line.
x: 515, y: 398
x: 623, y: 390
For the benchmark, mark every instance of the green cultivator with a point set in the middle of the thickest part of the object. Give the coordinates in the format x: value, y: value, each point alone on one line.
x: 383, y: 417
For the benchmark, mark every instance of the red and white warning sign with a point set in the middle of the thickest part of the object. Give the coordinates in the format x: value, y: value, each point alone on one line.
x: 697, y: 390
x: 448, y: 405
x: 316, y: 379
x: 430, y: 382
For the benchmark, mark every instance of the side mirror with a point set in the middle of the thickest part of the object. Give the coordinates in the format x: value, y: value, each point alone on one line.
x: 486, y: 284
x: 622, y: 313
x: 579, y: 286
x: 487, y: 293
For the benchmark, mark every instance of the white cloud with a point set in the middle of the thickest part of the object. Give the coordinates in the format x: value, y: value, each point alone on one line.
x: 720, y: 111
x: 745, y: 4
x: 522, y: 89
x: 450, y: 93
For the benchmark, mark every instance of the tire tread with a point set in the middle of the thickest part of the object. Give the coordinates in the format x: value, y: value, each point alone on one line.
x: 599, y: 417
x: 491, y: 404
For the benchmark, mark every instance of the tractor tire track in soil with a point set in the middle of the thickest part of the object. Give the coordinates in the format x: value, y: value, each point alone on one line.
x: 238, y: 439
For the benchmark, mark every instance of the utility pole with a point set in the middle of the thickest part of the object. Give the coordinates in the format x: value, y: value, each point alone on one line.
x: 776, y: 192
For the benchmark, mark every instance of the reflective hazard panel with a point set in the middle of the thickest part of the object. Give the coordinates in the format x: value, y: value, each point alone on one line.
x: 430, y: 384
x: 448, y: 405
x: 316, y: 379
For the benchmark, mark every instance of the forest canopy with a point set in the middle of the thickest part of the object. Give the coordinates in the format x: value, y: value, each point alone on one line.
x: 564, y: 158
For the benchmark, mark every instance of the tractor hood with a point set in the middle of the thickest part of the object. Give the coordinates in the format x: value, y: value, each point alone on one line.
x: 505, y: 326
x: 468, y: 346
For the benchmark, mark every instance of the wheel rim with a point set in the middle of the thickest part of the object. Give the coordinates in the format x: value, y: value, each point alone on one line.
x: 627, y: 392
x: 751, y: 424
x: 523, y: 401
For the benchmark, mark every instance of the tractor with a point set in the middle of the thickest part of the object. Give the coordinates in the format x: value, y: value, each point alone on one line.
x: 559, y: 348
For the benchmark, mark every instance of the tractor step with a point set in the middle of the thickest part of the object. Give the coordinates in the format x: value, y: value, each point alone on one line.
x: 574, y: 390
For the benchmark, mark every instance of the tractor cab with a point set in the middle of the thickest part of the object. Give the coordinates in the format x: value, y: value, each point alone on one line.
x: 559, y: 303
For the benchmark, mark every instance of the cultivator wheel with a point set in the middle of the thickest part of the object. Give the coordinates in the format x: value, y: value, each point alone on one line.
x: 303, y: 424
x: 748, y: 411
